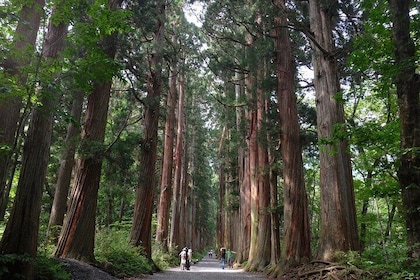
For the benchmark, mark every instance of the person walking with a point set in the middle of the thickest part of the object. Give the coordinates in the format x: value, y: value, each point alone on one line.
x: 189, y: 258
x: 229, y: 255
x: 183, y: 256
x: 223, y: 256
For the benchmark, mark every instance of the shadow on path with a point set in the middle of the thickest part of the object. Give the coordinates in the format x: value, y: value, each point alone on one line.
x: 207, y: 269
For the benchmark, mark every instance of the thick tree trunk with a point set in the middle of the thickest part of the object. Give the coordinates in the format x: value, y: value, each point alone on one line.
x: 185, y: 181
x: 274, y: 214
x: 243, y: 183
x: 245, y: 209
x: 141, y: 232
x: 162, y: 232
x: 21, y: 233
x: 296, y: 234
x: 179, y: 148
x: 78, y: 233
x: 408, y: 89
x: 253, y: 164
x: 24, y: 41
x: 263, y: 254
x: 338, y: 214
x: 59, y: 206
x: 221, y: 224
x: 77, y: 236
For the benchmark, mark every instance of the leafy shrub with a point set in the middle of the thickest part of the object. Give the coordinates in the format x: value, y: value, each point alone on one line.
x: 47, y: 268
x: 6, y: 261
x: 118, y: 257
x: 164, y: 260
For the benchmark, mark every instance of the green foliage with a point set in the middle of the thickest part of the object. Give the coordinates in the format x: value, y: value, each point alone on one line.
x: 8, y: 260
x: 164, y: 260
x: 381, y: 261
x: 118, y: 257
x: 47, y: 268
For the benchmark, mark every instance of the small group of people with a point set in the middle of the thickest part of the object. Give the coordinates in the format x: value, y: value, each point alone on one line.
x: 186, y: 258
x: 226, y: 255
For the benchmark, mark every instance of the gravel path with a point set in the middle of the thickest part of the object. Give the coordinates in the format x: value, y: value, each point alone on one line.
x: 207, y: 269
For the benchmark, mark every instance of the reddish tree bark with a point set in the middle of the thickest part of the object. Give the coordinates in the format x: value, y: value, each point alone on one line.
x: 253, y: 164
x: 162, y: 231
x: 77, y: 236
x: 178, y: 156
x: 296, y: 234
x: 263, y: 254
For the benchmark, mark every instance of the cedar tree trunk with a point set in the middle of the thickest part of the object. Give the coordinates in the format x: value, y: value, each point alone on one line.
x: 162, y: 232
x: 21, y: 233
x: 296, y: 233
x: 141, y: 232
x: 338, y: 214
x: 77, y: 236
x: 408, y: 89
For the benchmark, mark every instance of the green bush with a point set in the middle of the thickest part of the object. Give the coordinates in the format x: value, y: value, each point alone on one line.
x: 47, y: 268
x: 164, y: 260
x: 6, y: 261
x: 117, y: 256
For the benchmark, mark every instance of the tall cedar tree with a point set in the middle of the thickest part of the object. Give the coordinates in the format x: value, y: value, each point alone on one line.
x: 243, y: 176
x: 21, y: 233
x: 263, y: 255
x: 296, y: 233
x: 408, y: 89
x: 178, y: 162
x: 184, y: 180
x: 78, y: 233
x: 338, y: 213
x: 162, y: 231
x: 221, y: 224
x: 141, y: 232
x: 253, y: 164
x: 24, y: 41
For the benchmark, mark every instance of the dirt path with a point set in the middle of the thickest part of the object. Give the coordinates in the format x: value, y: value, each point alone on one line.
x: 207, y: 269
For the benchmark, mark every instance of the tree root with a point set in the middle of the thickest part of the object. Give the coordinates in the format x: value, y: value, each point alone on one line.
x: 321, y: 271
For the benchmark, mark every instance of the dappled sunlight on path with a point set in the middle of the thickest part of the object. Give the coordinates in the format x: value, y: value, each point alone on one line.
x: 207, y: 269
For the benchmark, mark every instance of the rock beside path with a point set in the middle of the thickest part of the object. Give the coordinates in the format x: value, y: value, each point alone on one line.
x: 83, y: 271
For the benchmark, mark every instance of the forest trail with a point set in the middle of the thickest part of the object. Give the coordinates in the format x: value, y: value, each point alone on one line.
x: 208, y: 269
